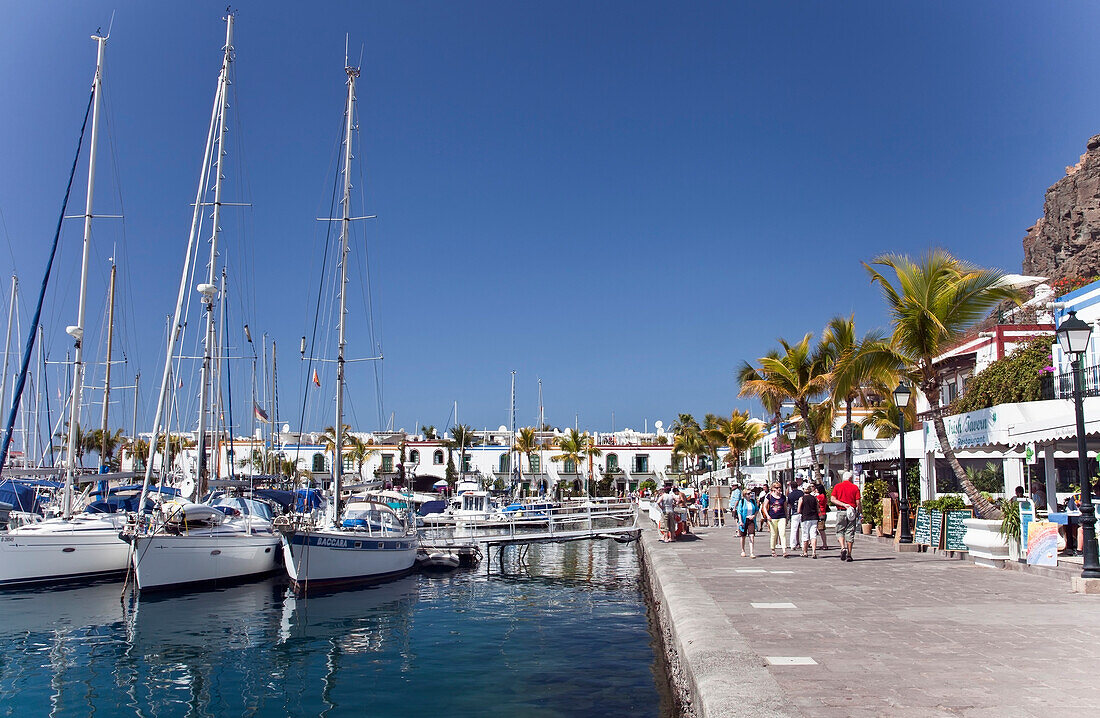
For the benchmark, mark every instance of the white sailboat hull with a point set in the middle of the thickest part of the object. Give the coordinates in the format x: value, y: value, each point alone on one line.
x: 167, y: 561
x: 331, y: 557
x: 59, y: 550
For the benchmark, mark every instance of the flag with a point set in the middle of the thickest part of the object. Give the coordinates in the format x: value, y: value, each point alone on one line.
x: 181, y: 383
x: 259, y: 413
x: 316, y: 379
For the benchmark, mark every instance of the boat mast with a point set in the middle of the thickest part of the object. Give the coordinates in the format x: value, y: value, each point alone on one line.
x: 77, y: 331
x: 107, y: 373
x: 345, y: 227
x: 176, y: 327
x: 7, y: 344
x: 512, y: 453
x: 209, y: 290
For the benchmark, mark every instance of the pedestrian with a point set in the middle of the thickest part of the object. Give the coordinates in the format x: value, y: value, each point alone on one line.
x: 808, y: 509
x: 704, y: 506
x: 745, y: 511
x: 822, y: 514
x: 666, y: 502
x: 794, y: 518
x: 846, y: 497
x: 775, y: 513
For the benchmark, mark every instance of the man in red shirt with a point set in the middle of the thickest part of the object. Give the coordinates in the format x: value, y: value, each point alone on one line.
x: 846, y: 497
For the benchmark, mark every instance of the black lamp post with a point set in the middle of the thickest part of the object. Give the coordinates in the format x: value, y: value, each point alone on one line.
x: 792, y: 434
x: 901, y: 400
x: 1073, y: 336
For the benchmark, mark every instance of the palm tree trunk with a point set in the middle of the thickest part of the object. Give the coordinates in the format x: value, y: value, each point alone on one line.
x: 982, y: 507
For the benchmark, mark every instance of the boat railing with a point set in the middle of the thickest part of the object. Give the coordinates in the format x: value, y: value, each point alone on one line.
x: 570, y: 519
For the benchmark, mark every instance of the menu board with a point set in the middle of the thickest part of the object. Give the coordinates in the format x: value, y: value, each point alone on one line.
x: 936, y: 517
x: 954, y: 530
x: 922, y: 531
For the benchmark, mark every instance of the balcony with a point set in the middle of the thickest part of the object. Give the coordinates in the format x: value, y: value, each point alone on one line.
x: 1060, y: 386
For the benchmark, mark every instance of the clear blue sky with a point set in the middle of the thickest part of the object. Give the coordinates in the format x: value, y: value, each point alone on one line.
x: 625, y: 199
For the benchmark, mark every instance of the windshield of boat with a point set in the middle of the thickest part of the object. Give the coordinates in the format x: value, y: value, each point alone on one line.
x: 372, y: 518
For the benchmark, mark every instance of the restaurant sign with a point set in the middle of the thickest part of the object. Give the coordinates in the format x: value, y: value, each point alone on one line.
x: 974, y: 428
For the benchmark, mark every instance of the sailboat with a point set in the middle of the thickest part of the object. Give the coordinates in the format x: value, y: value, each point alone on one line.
x: 368, y: 542
x: 190, y: 543
x: 71, y: 546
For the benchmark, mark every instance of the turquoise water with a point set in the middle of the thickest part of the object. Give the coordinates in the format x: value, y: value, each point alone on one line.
x: 567, y: 635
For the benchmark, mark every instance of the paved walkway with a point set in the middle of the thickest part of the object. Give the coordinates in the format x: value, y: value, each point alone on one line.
x: 892, y: 634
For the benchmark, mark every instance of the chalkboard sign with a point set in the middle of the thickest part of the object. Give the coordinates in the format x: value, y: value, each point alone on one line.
x: 922, y: 531
x: 954, y: 529
x: 937, y: 528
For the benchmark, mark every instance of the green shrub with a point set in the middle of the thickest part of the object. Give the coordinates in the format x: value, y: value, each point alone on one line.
x: 1010, y: 521
x: 873, y: 494
x: 989, y: 479
x: 947, y: 502
x: 1017, y: 377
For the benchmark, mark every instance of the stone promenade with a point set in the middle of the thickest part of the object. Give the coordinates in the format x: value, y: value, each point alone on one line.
x: 889, y: 634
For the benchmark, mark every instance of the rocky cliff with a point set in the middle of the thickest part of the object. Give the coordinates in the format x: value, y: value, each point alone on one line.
x: 1065, y: 241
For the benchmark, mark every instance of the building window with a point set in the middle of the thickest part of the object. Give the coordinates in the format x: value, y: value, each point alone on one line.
x: 612, y: 463
x: 387, y: 463
x: 570, y: 467
x: 414, y: 457
x: 536, y: 463
x: 504, y: 465
x: 641, y: 464
x: 318, y: 463
x: 437, y: 457
x: 465, y: 462
x: 349, y: 463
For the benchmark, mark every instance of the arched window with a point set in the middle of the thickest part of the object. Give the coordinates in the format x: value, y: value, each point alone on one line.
x: 318, y: 463
x: 505, y: 463
x: 437, y: 457
x: 570, y: 467
x: 414, y: 457
x: 536, y: 463
x: 612, y: 463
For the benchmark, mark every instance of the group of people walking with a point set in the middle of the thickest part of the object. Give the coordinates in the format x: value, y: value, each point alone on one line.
x: 799, y: 513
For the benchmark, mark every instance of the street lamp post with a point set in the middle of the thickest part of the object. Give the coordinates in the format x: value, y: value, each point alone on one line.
x: 1073, y: 336
x: 792, y: 434
x: 902, y: 394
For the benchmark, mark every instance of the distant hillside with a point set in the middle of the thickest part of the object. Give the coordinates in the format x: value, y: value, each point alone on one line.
x: 1064, y: 244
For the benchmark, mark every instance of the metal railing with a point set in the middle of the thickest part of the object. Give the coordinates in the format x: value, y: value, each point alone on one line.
x: 1060, y: 386
x: 567, y: 521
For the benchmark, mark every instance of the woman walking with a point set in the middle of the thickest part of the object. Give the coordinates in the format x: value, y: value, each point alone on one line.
x: 775, y: 506
x: 822, y: 514
x: 809, y: 509
x: 746, y: 510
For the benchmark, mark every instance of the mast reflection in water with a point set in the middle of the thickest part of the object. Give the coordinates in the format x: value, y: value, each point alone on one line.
x: 567, y: 634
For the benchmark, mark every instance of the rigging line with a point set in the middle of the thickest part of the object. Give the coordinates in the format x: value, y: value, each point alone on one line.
x: 367, y: 290
x: 7, y: 238
x: 317, y: 311
x: 228, y: 378
x: 33, y: 331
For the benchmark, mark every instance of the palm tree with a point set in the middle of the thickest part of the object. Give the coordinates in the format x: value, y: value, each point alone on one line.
x: 590, y: 451
x: 689, y: 444
x: 462, y: 436
x: 740, y: 433
x: 97, y: 441
x: 527, y: 443
x: 932, y: 303
x: 327, y: 439
x: 361, y: 451
x: 799, y: 374
x: 571, y: 445
x: 429, y: 432
x: 853, y: 364
x: 885, y: 415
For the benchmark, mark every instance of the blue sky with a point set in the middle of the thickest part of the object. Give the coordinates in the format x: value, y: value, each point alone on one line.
x: 624, y: 199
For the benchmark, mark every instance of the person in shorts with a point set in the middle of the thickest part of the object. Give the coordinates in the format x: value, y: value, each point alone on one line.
x: 794, y: 518
x: 808, y: 508
x: 745, y: 511
x: 846, y: 497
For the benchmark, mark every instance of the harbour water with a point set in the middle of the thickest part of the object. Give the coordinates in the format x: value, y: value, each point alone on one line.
x: 566, y: 634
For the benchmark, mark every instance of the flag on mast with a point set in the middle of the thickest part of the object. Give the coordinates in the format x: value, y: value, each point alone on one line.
x: 316, y: 379
x: 259, y: 413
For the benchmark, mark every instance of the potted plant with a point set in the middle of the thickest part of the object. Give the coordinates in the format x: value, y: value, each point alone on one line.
x: 873, y: 493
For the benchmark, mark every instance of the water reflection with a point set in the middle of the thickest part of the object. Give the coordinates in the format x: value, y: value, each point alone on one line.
x: 564, y: 633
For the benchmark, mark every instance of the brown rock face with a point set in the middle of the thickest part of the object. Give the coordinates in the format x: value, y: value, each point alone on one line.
x: 1065, y: 241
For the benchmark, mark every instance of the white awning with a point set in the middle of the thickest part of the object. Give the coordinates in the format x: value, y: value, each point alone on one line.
x: 1040, y: 422
x: 914, y: 447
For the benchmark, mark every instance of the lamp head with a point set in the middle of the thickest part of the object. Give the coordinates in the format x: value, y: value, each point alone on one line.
x: 902, y: 395
x: 1073, y: 334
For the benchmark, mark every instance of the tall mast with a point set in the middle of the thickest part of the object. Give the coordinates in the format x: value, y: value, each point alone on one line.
x: 7, y: 344
x: 513, y: 454
x: 133, y: 428
x: 345, y: 228
x: 176, y: 327
x: 77, y: 331
x: 107, y: 373
x: 209, y: 289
